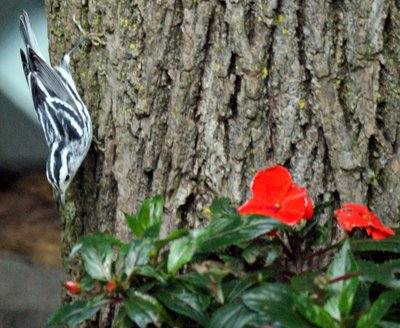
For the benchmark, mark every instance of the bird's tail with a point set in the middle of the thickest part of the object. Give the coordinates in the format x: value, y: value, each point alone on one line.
x: 28, y: 35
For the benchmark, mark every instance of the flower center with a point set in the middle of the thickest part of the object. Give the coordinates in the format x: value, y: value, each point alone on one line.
x: 277, y: 205
x: 366, y: 217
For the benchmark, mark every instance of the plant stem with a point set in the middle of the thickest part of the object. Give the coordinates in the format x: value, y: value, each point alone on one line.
x: 286, y: 249
x: 344, y: 277
x: 325, y: 250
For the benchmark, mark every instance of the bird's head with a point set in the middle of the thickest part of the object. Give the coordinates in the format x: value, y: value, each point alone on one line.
x: 60, y: 169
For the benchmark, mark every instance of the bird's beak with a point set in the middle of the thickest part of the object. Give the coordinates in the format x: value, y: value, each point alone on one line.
x: 62, y: 199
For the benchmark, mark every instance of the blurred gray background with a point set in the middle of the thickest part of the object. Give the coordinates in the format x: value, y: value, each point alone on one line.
x: 30, y: 266
x: 21, y: 141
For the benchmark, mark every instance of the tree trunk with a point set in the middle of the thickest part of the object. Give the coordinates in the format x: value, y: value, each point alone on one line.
x: 190, y: 97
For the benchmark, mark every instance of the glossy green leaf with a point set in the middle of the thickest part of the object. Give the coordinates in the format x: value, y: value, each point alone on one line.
x: 181, y: 252
x: 138, y: 254
x: 232, y: 315
x: 121, y: 320
x: 151, y: 272
x: 275, y: 302
x: 97, y: 254
x: 341, y: 293
x: 148, y: 219
x: 386, y: 273
x: 387, y: 324
x: 77, y: 312
x: 224, y: 232
x: 269, y: 253
x: 234, y: 288
x: 207, y: 279
x: 222, y: 208
x: 305, y: 282
x: 176, y: 234
x: 178, y: 299
x: 318, y: 210
x: 378, y: 309
x: 361, y: 300
x: 144, y: 309
x: 391, y: 244
x: 313, y: 312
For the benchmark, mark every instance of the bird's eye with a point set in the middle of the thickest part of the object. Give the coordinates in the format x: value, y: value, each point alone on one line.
x: 67, y: 177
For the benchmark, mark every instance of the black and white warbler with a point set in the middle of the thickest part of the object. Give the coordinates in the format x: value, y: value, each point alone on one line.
x: 62, y: 114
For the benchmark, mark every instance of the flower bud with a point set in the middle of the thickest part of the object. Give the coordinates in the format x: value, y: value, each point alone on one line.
x: 73, y: 286
x: 111, y: 286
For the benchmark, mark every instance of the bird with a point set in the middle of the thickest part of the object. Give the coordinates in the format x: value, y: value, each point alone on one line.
x: 62, y: 114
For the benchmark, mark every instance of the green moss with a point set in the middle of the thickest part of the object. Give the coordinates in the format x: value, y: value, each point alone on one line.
x: 265, y: 73
x: 124, y: 22
x: 97, y: 20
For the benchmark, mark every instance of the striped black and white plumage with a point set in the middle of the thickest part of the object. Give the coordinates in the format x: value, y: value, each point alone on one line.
x: 63, y: 116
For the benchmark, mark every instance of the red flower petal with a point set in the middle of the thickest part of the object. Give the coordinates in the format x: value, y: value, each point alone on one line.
x: 272, y: 183
x: 352, y: 216
x: 253, y: 206
x: 293, y: 205
x: 276, y: 196
x: 309, y: 212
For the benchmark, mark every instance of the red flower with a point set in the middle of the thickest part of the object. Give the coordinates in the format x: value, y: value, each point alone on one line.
x: 110, y: 286
x: 275, y: 195
x: 73, y: 286
x: 352, y: 216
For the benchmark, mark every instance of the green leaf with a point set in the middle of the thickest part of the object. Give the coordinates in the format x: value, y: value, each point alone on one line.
x: 387, y: 324
x: 275, y: 302
x: 77, y: 312
x: 224, y: 232
x: 138, y: 254
x: 148, y: 219
x: 178, y: 299
x: 378, y: 309
x: 222, y: 208
x: 341, y: 293
x: 207, y: 279
x: 144, y: 309
x: 305, y: 282
x: 181, y: 252
x: 313, y: 312
x: 149, y: 271
x: 318, y: 210
x: 236, y: 287
x: 386, y: 273
x: 391, y: 244
x: 269, y: 252
x: 122, y: 320
x: 97, y: 254
x: 172, y: 236
x: 232, y: 315
x: 87, y: 283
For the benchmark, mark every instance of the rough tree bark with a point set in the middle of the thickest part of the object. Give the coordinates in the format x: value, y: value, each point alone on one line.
x: 190, y: 97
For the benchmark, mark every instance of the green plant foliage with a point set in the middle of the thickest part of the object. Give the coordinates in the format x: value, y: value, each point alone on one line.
x: 378, y: 309
x: 391, y: 244
x: 179, y: 299
x: 182, y: 251
x: 144, y: 309
x: 233, y: 315
x: 137, y: 255
x: 97, y: 254
x: 386, y: 273
x: 148, y: 219
x: 275, y: 302
x: 233, y: 272
x: 341, y: 292
x: 77, y: 312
